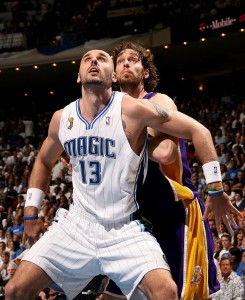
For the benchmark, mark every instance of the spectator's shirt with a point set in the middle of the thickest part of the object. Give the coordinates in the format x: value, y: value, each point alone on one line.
x: 232, y: 289
x: 18, y: 229
x: 239, y: 270
x: 232, y: 174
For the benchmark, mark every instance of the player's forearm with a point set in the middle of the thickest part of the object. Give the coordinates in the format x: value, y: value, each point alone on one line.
x: 40, y: 176
x: 162, y: 150
x: 203, y: 144
x: 38, y: 183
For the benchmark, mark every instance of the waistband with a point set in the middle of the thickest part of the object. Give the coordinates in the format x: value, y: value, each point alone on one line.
x: 80, y: 213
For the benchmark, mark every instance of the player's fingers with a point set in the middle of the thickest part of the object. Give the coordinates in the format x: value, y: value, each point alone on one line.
x: 226, y: 221
x: 217, y: 222
x: 231, y: 220
x: 206, y: 213
x: 236, y: 211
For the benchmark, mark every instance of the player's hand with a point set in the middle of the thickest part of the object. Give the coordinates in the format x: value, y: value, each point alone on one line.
x: 66, y: 164
x: 222, y: 208
x: 32, y: 231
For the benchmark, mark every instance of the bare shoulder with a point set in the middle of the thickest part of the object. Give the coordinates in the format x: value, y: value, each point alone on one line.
x: 56, y: 116
x: 55, y: 121
x: 164, y: 101
x: 132, y: 106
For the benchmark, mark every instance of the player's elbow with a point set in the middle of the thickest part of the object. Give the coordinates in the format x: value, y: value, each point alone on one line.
x: 165, y: 153
x: 169, y: 155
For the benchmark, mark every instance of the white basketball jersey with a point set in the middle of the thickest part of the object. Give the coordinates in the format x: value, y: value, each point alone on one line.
x: 105, y: 170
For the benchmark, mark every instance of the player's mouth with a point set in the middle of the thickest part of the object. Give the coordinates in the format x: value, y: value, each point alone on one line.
x: 94, y: 70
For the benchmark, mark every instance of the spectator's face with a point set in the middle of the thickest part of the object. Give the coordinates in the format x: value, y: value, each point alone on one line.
x: 11, y: 270
x: 222, y: 227
x: 225, y: 267
x: 212, y: 225
x: 225, y: 242
x: 5, y: 258
x: 238, y: 197
x: 242, y: 222
x: 217, y: 245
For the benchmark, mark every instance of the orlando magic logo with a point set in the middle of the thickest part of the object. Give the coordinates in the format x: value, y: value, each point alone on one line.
x: 197, y: 275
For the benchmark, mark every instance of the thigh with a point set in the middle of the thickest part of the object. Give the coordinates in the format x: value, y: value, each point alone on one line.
x: 30, y: 278
x: 71, y: 264
x: 131, y: 254
x: 155, y: 280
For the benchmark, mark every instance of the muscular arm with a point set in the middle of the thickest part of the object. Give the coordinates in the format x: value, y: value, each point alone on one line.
x: 47, y: 156
x: 162, y: 147
x: 180, y: 125
x: 40, y: 177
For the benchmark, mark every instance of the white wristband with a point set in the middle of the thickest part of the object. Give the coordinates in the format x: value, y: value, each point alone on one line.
x: 34, y: 197
x: 212, y: 172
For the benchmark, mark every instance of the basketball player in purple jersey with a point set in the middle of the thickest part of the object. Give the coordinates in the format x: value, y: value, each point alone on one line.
x: 169, y: 199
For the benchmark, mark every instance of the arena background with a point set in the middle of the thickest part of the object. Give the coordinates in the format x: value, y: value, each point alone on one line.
x: 186, y: 64
x: 193, y: 57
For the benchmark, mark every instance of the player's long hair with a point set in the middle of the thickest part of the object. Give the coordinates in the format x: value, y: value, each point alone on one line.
x: 147, y: 60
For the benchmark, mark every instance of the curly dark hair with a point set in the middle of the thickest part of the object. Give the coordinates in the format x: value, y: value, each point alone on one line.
x: 147, y: 60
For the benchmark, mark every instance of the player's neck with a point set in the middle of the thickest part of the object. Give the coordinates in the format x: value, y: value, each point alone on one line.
x: 93, y: 102
x: 135, y: 92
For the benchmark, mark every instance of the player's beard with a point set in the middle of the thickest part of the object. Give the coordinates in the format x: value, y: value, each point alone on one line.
x: 92, y: 81
x: 128, y: 83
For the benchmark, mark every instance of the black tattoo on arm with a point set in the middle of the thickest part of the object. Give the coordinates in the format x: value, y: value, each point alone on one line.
x: 127, y: 133
x: 163, y: 112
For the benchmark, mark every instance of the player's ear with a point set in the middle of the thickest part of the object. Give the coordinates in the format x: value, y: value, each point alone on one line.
x: 114, y: 78
x: 146, y: 73
x: 78, y: 78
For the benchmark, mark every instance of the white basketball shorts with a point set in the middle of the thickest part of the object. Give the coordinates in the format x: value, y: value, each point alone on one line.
x: 78, y: 247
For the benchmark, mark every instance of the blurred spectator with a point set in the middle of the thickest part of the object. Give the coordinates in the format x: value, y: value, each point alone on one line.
x: 241, y: 221
x: 20, y: 202
x: 12, y: 267
x: 227, y: 188
x: 236, y: 257
x: 4, y: 265
x: 2, y: 236
x: 217, y: 248
x: 14, y: 249
x: 29, y: 126
x: 220, y: 155
x: 2, y: 249
x: 219, y: 138
x: 241, y: 264
x: 239, y: 181
x: 232, y: 172
x: 58, y: 170
x: 213, y: 227
x: 231, y: 285
x: 18, y: 225
x: 238, y: 237
x: 239, y: 202
x: 226, y: 243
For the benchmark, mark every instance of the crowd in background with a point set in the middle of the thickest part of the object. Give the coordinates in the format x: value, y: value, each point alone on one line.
x: 47, y: 20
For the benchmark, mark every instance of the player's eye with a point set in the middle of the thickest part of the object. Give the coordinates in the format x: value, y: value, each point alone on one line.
x: 87, y: 59
x: 101, y: 59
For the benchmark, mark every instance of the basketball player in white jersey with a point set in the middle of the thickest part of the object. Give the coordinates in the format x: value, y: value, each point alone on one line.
x: 105, y: 135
